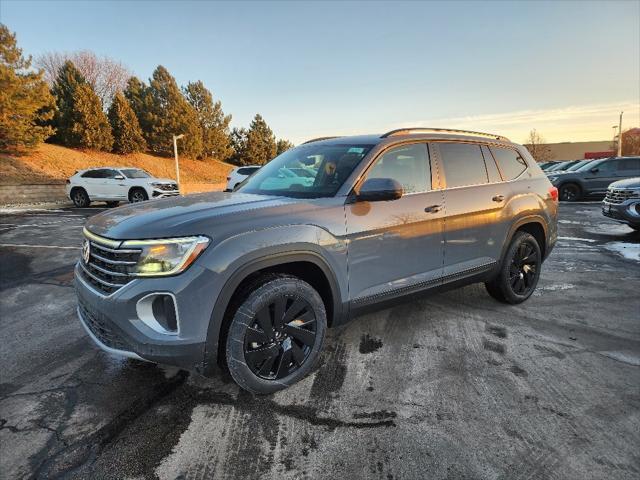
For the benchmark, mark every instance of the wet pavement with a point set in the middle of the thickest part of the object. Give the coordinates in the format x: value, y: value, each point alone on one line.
x: 452, y: 386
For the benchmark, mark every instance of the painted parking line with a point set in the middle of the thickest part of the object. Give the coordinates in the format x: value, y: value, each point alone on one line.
x: 18, y: 245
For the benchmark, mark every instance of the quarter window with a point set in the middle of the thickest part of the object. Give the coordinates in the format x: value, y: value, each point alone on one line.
x: 510, y: 162
x: 408, y: 165
x: 463, y: 164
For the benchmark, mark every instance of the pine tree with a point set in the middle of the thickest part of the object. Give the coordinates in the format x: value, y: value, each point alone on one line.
x: 261, y: 143
x: 79, y: 120
x: 239, y: 146
x: 283, y: 145
x: 139, y: 98
x: 127, y: 135
x: 25, y: 101
x: 171, y: 114
x: 213, y: 122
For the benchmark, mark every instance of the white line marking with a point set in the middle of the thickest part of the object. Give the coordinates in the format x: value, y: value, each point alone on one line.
x: 590, y: 240
x: 18, y: 245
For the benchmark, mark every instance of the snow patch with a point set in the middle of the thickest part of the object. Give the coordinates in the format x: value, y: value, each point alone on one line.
x: 630, y: 251
x: 553, y: 287
x: 590, y: 240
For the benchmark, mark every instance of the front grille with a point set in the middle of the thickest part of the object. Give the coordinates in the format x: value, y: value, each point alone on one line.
x: 108, y: 268
x: 101, y: 330
x: 168, y: 187
x: 616, y: 195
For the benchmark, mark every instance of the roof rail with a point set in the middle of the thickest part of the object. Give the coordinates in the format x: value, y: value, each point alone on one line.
x: 320, y: 138
x: 405, y: 131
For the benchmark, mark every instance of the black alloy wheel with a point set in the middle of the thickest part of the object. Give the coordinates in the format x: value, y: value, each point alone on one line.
x: 280, y: 337
x: 569, y: 192
x: 523, y: 269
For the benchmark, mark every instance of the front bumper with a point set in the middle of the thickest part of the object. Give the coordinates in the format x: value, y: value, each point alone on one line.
x: 626, y: 212
x: 113, y: 324
x: 157, y: 193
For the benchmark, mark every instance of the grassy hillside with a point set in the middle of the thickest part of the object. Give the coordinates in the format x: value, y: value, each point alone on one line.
x: 54, y: 164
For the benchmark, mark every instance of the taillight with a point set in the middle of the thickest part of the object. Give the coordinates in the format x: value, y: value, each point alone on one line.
x: 228, y: 178
x: 553, y: 191
x: 68, y: 181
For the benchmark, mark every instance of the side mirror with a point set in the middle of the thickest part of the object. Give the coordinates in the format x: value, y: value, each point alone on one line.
x: 379, y: 190
x: 595, y: 169
x: 119, y: 177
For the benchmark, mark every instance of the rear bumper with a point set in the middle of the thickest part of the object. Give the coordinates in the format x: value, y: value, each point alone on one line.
x: 626, y: 212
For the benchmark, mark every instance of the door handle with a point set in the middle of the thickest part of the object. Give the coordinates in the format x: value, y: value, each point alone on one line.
x: 498, y: 198
x: 433, y: 209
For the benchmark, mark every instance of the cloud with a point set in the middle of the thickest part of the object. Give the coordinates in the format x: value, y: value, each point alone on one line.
x: 573, y: 123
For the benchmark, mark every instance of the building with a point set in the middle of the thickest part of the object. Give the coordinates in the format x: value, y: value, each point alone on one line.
x: 580, y: 150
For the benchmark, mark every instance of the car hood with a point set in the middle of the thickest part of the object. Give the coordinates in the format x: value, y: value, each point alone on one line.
x: 631, y: 183
x: 161, y: 180
x: 177, y: 216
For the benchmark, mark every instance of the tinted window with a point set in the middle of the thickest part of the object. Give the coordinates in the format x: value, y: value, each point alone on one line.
x: 247, y: 170
x: 408, y: 165
x: 510, y: 162
x: 91, y: 174
x: 463, y: 164
x: 135, y: 173
x: 325, y: 166
x: 630, y: 164
x: 608, y: 166
x: 109, y: 173
x: 490, y: 163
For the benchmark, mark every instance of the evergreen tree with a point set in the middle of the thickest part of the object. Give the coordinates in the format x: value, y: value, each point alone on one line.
x: 80, y: 120
x: 239, y: 146
x: 213, y: 122
x: 137, y: 94
x: 261, y: 143
x: 127, y: 135
x: 283, y: 145
x: 25, y: 101
x: 171, y: 114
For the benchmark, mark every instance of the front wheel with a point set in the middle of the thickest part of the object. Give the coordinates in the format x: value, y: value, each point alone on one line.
x: 519, y: 272
x: 138, y: 195
x: 276, y: 334
x: 570, y: 192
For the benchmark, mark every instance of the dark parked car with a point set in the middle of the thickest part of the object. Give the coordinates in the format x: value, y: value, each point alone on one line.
x: 594, y: 177
x: 562, y: 166
x: 250, y: 280
x: 622, y: 202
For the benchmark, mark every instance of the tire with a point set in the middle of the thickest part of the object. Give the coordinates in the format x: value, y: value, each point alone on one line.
x: 635, y: 227
x: 112, y: 204
x: 267, y: 348
x: 80, y: 198
x: 570, y: 192
x: 137, y: 195
x: 519, y: 272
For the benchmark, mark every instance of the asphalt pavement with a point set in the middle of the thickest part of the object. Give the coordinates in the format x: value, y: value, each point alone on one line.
x: 452, y: 386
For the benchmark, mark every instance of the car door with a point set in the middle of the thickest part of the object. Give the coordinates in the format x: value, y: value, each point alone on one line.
x: 628, y: 168
x: 396, y: 246
x: 598, y: 178
x: 474, y: 197
x: 113, y: 184
x: 92, y: 183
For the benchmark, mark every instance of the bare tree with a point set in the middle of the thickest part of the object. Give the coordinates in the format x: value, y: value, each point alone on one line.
x: 105, y: 75
x: 537, y: 147
x: 631, y: 142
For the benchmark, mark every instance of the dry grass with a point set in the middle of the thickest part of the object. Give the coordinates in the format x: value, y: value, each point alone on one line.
x: 54, y: 164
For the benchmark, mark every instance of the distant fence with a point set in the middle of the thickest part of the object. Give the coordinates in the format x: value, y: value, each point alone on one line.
x: 55, y: 192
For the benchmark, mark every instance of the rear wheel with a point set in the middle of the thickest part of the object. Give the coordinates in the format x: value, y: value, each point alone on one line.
x: 138, y: 195
x: 519, y: 272
x: 276, y: 334
x: 570, y: 192
x: 80, y: 198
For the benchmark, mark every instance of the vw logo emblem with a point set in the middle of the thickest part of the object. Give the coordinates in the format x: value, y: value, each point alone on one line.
x: 86, y: 251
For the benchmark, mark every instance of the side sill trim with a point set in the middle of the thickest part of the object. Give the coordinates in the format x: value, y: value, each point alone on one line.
x: 113, y: 351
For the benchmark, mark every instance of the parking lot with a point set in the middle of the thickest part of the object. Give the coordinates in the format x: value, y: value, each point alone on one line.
x: 453, y: 386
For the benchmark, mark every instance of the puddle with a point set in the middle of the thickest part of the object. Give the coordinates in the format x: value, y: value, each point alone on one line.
x: 630, y: 251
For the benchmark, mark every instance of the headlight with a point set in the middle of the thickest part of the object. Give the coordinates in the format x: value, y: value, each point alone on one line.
x: 166, y: 257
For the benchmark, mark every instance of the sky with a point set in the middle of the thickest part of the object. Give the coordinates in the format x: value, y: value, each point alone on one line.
x: 313, y: 69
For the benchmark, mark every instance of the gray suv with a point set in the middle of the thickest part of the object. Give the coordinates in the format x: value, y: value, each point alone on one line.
x: 249, y: 281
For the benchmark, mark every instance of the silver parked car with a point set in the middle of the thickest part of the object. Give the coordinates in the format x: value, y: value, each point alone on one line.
x: 622, y: 202
x: 250, y: 280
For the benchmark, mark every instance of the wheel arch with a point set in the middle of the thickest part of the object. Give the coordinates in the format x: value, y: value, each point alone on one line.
x: 133, y: 188
x: 533, y: 224
x: 307, y: 265
x: 76, y: 188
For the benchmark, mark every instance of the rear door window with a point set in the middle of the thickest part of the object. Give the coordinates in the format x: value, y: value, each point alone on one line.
x: 509, y: 161
x: 463, y: 164
x: 91, y: 174
x: 490, y: 163
x: 630, y: 164
x: 246, y: 170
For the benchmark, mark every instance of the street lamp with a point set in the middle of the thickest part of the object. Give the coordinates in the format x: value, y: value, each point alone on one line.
x: 620, y: 136
x: 615, y: 127
x: 175, y: 154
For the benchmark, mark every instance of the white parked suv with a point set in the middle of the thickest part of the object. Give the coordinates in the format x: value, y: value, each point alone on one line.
x: 238, y: 174
x: 115, y: 184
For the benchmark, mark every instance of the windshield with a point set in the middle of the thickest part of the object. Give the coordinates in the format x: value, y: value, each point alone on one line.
x: 312, y: 170
x: 135, y: 173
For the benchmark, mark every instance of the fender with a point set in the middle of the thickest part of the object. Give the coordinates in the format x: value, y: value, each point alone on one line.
x: 210, y: 361
x: 520, y: 222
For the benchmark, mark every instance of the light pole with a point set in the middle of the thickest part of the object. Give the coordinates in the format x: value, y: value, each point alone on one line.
x: 615, y: 127
x: 175, y: 154
x: 620, y: 136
